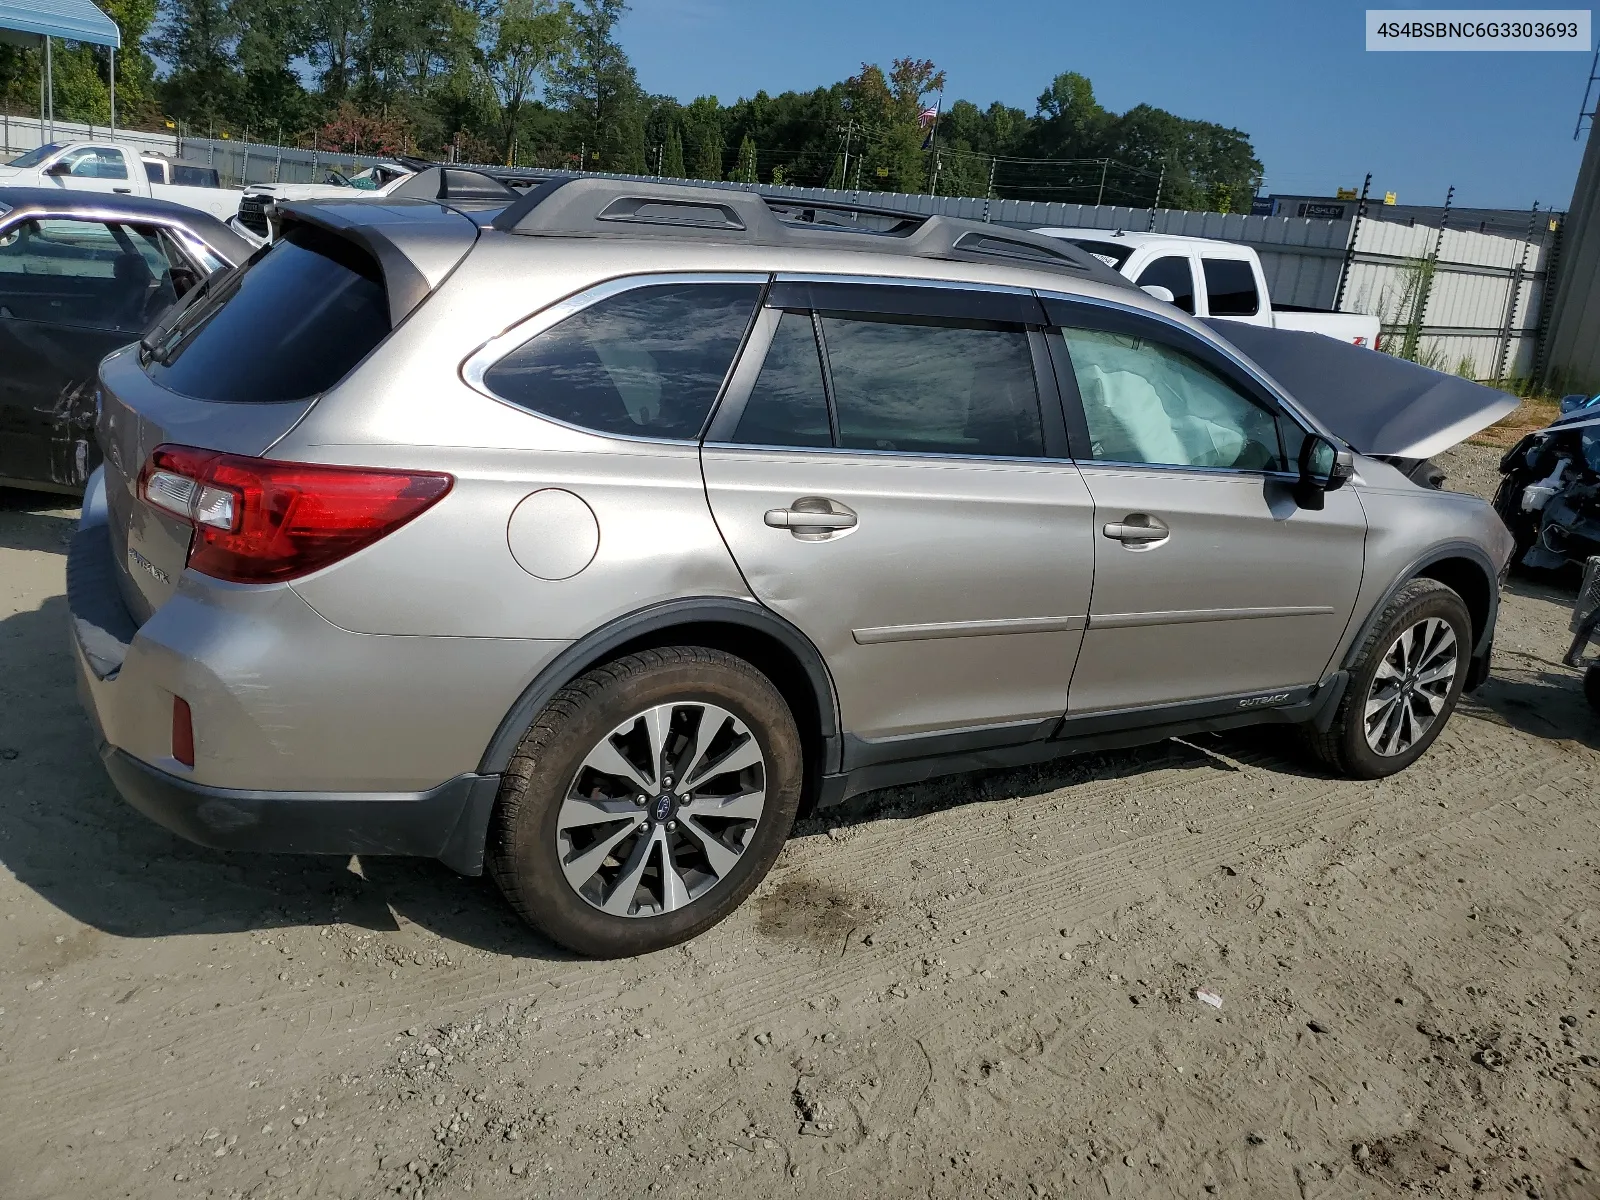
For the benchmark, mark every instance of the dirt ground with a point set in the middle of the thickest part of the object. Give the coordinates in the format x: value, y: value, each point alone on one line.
x: 980, y: 987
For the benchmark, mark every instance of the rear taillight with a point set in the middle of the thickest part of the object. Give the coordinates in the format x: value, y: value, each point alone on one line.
x: 259, y: 521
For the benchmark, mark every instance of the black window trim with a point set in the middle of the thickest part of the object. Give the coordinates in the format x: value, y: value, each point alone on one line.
x: 889, y: 297
x: 1089, y: 312
x: 477, y: 364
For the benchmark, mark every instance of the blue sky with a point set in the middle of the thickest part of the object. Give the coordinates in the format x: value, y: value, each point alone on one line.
x: 1320, y: 110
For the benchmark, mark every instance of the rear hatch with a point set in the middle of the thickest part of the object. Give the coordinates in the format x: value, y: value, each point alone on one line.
x: 235, y: 372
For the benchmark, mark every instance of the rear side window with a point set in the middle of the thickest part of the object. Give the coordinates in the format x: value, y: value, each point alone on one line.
x: 789, y: 404
x: 1230, y: 287
x: 932, y: 387
x: 289, y: 326
x: 1175, y: 274
x: 648, y: 362
x: 86, y: 275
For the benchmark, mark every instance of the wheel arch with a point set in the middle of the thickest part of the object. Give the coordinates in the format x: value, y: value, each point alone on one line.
x: 1464, y: 569
x: 741, y: 627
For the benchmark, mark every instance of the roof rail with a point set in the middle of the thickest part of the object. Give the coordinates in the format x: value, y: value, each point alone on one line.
x: 453, y: 183
x: 596, y: 206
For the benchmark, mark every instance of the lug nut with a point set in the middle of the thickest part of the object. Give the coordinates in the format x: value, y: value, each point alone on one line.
x: 641, y: 800
x: 671, y: 826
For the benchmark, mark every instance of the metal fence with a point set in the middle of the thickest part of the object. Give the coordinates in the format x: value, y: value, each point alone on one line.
x: 1481, y: 312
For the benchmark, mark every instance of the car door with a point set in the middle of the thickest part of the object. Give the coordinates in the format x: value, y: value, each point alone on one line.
x: 93, y: 169
x: 1232, y: 290
x: 71, y: 292
x: 1211, y: 582
x: 887, y: 479
x: 1175, y: 272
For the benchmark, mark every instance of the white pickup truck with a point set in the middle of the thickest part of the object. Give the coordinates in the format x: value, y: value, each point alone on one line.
x: 121, y: 167
x: 257, y: 209
x: 1211, y: 278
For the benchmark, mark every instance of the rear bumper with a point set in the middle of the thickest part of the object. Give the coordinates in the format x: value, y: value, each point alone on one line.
x: 446, y: 822
x: 309, y: 739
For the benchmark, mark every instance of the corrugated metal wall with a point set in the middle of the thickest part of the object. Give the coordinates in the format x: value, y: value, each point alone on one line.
x: 1572, y: 346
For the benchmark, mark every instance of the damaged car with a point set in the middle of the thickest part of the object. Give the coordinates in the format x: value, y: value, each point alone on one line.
x: 1549, y: 495
x: 80, y: 275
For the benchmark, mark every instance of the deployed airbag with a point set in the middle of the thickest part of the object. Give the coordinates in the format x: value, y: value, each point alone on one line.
x: 1380, y: 404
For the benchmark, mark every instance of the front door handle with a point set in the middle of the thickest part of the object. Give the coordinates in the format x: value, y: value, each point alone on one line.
x: 811, y: 515
x: 1137, y: 529
x: 123, y: 191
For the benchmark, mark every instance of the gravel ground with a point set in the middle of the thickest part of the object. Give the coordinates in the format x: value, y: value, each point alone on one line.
x: 985, y: 986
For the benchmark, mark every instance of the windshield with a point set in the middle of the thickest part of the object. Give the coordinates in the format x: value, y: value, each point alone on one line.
x: 1112, y: 254
x: 36, y: 156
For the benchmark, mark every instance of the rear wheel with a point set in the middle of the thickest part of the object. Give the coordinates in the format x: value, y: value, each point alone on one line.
x: 646, y: 801
x: 1404, y: 684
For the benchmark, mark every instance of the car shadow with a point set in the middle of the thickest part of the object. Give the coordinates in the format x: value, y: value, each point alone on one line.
x: 36, y: 520
x: 66, y: 834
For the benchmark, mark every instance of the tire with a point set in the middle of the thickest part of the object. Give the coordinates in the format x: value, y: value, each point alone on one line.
x: 1421, y: 694
x: 570, y: 800
x: 1591, y: 686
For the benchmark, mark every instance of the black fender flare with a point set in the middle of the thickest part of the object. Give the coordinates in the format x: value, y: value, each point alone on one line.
x: 1416, y: 568
x: 605, y: 641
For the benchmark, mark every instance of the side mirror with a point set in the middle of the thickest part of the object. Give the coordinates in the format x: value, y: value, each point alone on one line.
x: 59, y: 168
x: 1159, y: 292
x: 1324, y: 468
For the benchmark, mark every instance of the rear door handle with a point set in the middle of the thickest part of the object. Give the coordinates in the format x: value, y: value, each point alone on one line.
x: 1137, y: 529
x: 123, y: 191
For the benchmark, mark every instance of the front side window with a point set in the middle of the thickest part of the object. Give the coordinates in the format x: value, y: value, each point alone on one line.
x: 1230, y: 287
x: 932, y: 387
x: 291, y: 324
x: 647, y: 362
x: 97, y: 162
x: 85, y: 274
x: 1146, y: 402
x: 1176, y: 275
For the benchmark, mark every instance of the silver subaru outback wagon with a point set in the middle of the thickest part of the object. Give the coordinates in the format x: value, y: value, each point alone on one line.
x: 589, y: 536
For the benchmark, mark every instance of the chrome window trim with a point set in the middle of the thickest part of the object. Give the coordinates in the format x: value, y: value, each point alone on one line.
x: 476, y: 365
x: 180, y: 232
x: 1032, y: 460
x: 965, y: 285
x: 1307, y: 425
x: 1092, y: 464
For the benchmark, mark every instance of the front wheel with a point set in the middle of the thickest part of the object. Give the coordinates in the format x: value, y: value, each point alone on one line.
x: 1404, y: 684
x: 647, y: 801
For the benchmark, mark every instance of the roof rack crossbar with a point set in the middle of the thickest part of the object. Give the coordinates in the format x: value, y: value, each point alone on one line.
x: 597, y: 206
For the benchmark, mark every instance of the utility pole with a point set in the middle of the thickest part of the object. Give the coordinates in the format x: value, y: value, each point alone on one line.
x: 844, y: 173
x: 988, y: 196
x: 1413, y: 338
x: 1160, y: 180
x: 1513, y: 299
x: 1350, y: 250
x: 1100, y: 197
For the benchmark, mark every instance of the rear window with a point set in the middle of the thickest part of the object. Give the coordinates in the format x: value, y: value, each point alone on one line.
x: 1230, y: 287
x: 647, y: 363
x: 290, y: 325
x: 1112, y: 254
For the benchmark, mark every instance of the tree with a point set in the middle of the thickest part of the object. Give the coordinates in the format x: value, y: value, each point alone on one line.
x: 703, y: 126
x: 744, y: 170
x: 888, y: 107
x: 672, y: 156
x: 593, y: 80
x: 195, y: 38
x: 521, y: 40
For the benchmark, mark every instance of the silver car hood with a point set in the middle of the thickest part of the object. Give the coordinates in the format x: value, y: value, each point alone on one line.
x: 1380, y: 404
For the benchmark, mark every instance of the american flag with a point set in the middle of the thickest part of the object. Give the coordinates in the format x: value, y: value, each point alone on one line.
x: 928, y: 115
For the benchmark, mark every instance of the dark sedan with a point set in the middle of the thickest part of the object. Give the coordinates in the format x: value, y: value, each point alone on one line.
x: 82, y: 273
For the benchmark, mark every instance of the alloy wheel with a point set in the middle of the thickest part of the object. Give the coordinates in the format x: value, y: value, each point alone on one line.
x: 1411, y: 685
x: 662, y: 809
